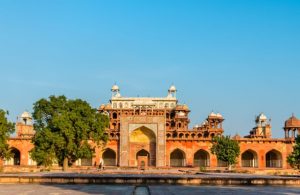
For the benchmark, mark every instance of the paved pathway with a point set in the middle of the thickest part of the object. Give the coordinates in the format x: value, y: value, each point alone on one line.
x: 35, y: 189
x: 145, y: 174
x: 243, y: 190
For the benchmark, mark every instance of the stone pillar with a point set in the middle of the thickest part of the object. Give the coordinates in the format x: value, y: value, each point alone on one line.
x: 293, y: 133
x: 124, y: 143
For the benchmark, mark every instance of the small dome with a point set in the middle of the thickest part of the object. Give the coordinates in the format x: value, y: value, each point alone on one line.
x: 108, y: 106
x: 212, y: 114
x: 102, y: 106
x: 182, y: 107
x: 26, y: 115
x: 292, y: 122
x: 219, y: 115
x: 262, y: 117
x: 172, y: 88
x: 115, y: 88
x: 185, y: 107
x: 181, y: 113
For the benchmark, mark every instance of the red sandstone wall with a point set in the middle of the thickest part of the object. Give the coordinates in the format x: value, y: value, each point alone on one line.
x: 24, y: 146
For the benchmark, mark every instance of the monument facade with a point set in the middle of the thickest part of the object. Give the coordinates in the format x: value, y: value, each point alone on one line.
x: 153, y: 132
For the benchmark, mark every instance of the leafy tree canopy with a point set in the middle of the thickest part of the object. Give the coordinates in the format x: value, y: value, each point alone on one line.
x: 6, y: 128
x: 64, y: 128
x: 225, y: 149
x: 294, y: 158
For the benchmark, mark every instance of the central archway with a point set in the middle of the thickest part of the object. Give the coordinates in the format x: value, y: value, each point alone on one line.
x: 142, y: 142
x: 143, y: 156
x: 177, y: 158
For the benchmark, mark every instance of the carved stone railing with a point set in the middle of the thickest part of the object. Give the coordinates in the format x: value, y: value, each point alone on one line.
x: 191, y: 135
x: 113, y: 134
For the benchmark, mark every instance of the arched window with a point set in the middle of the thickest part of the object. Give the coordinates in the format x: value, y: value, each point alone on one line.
x: 179, y: 125
x: 109, y: 157
x: 249, y: 159
x: 177, y: 158
x: 172, y: 124
x: 115, y: 115
x: 180, y: 135
x: 114, y: 125
x: 167, y: 115
x: 201, y: 158
x: 15, y: 160
x: 120, y: 105
x: 274, y: 159
x: 143, y: 153
x: 172, y: 115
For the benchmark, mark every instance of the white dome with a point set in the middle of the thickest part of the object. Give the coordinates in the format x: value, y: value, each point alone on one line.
x: 219, y: 115
x: 115, y: 88
x: 212, y: 114
x: 172, y: 88
x: 262, y: 117
x: 181, y: 113
x: 25, y: 115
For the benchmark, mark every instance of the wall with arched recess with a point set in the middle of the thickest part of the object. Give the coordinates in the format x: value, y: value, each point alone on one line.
x: 112, y: 144
x: 156, y: 124
x: 190, y: 147
x: 142, y: 138
x: 24, y: 146
x: 261, y: 147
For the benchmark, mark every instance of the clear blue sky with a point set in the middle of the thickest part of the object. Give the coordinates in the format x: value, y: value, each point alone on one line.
x: 239, y: 58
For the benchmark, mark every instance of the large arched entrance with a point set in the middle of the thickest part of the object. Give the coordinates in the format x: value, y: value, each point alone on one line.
x: 274, y: 159
x: 142, y: 143
x: 201, y: 158
x: 109, y: 157
x: 177, y: 158
x: 249, y: 159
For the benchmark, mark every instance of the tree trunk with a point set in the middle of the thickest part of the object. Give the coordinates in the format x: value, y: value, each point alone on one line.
x: 229, y: 167
x: 65, y: 164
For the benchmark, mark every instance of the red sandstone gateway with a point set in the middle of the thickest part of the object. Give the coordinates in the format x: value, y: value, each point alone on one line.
x: 153, y: 132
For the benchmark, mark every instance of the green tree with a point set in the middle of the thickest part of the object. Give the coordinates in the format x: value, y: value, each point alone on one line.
x: 6, y: 128
x: 226, y: 149
x: 64, y: 128
x: 294, y: 158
